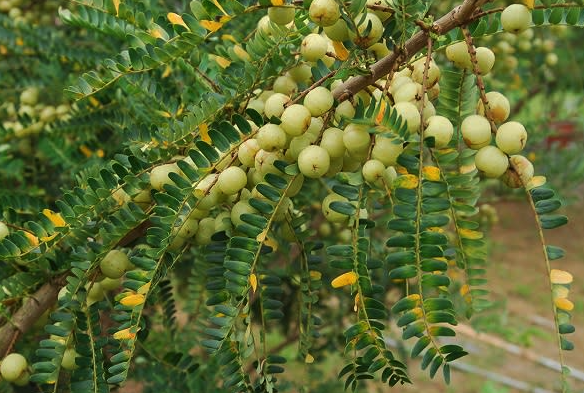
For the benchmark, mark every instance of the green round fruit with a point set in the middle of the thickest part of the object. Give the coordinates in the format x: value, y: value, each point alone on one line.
x: 476, y: 131
x: 356, y: 138
x: 418, y: 72
x: 301, y: 73
x: 329, y: 213
x: 297, y: 144
x: 337, y: 32
x: 159, y: 175
x: 410, y: 113
x: 511, y: 137
x: 13, y: 367
x: 189, y: 228
x: 498, y: 104
x: 232, y: 180
x: 271, y: 137
x: 264, y: 162
x: 247, y: 152
x: 313, y: 47
x: 319, y: 101
x: 516, y: 18
x: 206, y: 231
x: 370, y: 24
x: 68, y: 362
x: 407, y: 92
x: 373, y: 171
x: 109, y: 284
x: 458, y: 54
x: 441, y: 129
x: 281, y: 15
x: 332, y: 142
x: 3, y: 230
x: 29, y: 96
x: 386, y: 150
x: 295, y: 120
x: 345, y: 110
x: 324, y: 12
x: 314, y: 161
x: 485, y: 59
x: 241, y: 207
x: 491, y: 161
x: 274, y: 106
x: 114, y: 264
x: 284, y: 84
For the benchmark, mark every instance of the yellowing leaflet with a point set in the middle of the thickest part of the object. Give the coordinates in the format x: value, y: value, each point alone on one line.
x: 133, y: 300
x: 176, y: 19
x: 253, y: 282
x: 55, y: 218
x: 345, y: 279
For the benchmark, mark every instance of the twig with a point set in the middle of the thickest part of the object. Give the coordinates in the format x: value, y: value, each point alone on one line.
x: 455, y: 18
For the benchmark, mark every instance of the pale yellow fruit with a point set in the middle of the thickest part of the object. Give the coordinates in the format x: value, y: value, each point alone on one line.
x: 491, y: 161
x: 324, y: 12
x: 374, y: 33
x: 498, y: 104
x: 516, y: 18
x: 511, y: 137
x: 114, y: 264
x: 13, y: 366
x: 441, y: 129
x: 313, y: 161
x: 476, y: 131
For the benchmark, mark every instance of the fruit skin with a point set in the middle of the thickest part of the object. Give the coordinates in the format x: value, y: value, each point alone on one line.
x: 324, y: 12
x: 313, y: 47
x: 247, y: 152
x: 3, y: 230
x: 114, y: 264
x: 375, y: 33
x: 516, y: 18
x: 476, y: 131
x: 332, y: 142
x: 441, y: 129
x: 13, y: 367
x: 491, y: 161
x: 232, y: 180
x: 356, y: 138
x: 159, y: 175
x: 373, y: 170
x: 314, y: 161
x: 318, y: 101
x: 330, y: 214
x: 241, y: 207
x: 337, y: 32
x: 511, y: 137
x: 520, y: 172
x: 485, y: 59
x: 295, y: 120
x: 498, y: 104
x: 281, y: 15
x: 275, y: 105
x: 458, y: 54
x: 409, y: 112
x: 386, y: 151
x: 271, y: 137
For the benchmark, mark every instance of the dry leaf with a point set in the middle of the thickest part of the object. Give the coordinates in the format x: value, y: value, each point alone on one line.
x: 345, y: 279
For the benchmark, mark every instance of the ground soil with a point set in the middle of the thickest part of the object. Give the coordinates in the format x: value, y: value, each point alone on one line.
x: 522, y: 314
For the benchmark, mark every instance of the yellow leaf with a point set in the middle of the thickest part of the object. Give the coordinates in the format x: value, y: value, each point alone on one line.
x: 48, y: 238
x: 414, y: 296
x: 356, y: 306
x: 253, y: 282
x: 531, y: 156
x: 340, y: 50
x: 436, y: 229
x: 401, y: 170
x: 176, y: 19
x: 117, y: 6
x: 94, y: 101
x: 157, y: 32
x: 125, y: 334
x: 467, y: 168
x: 381, y: 113
x: 464, y: 290
x: 133, y: 300
x: 241, y: 53
x: 32, y: 238
x: 219, y: 6
x: 529, y: 3
x: 19, y: 41
x: 315, y: 275
x: 271, y: 242
x: 277, y: 2
x: 309, y: 358
x: 55, y: 218
x: 262, y: 236
x: 166, y: 72
x: 560, y: 277
x: 144, y: 288
x: 431, y: 173
x: 86, y: 151
x: 211, y: 25
x: 100, y: 153
x: 204, y: 132
x: 406, y: 181
x: 229, y: 37
x: 344, y: 279
x: 470, y: 234
x: 222, y: 61
x: 564, y: 304
x: 536, y: 181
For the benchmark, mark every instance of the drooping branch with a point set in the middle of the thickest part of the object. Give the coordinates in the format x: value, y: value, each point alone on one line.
x: 459, y: 16
x: 29, y: 313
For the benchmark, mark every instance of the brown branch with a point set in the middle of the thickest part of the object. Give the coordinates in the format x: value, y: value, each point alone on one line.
x: 455, y: 18
x: 29, y: 313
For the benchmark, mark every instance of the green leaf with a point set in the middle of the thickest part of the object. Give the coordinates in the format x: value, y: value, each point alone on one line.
x: 552, y: 221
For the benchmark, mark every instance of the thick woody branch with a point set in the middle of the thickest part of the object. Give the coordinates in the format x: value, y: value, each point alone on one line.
x: 28, y: 314
x: 459, y: 16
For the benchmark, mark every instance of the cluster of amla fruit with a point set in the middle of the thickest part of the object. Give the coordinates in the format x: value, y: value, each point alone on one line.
x: 501, y: 159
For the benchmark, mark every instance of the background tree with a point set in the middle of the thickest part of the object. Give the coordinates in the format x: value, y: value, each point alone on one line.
x: 263, y: 168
